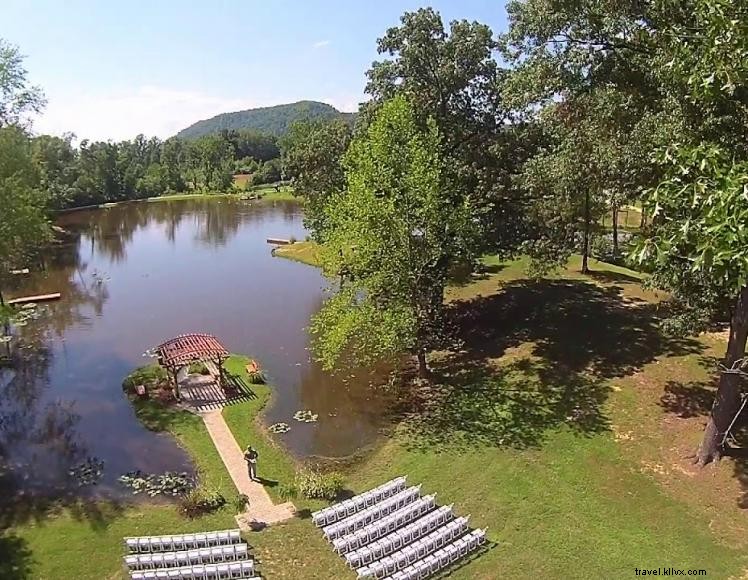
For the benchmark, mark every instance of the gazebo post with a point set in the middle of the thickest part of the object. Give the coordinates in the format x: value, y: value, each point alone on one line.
x: 174, y: 373
x: 221, y: 378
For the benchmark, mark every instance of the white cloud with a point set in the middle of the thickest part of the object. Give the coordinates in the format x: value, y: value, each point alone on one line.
x: 321, y: 44
x: 153, y: 111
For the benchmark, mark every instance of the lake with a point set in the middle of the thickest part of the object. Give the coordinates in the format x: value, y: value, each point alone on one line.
x: 135, y: 275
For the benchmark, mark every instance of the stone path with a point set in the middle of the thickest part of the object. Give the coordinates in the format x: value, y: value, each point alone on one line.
x: 262, y: 511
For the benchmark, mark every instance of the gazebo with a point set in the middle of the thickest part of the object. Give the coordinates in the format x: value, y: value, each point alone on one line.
x: 188, y: 348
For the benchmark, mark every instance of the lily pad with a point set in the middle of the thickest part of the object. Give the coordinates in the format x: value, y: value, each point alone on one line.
x: 305, y: 416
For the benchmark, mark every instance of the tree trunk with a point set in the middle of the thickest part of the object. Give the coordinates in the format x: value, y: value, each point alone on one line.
x: 643, y: 221
x: 2, y: 300
x: 727, y: 400
x: 586, y: 241
x: 423, y: 369
x: 615, y: 230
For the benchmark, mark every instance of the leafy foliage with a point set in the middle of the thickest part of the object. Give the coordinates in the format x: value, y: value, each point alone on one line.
x: 197, y: 502
x: 18, y: 99
x: 312, y: 154
x: 24, y: 228
x: 450, y: 75
x: 391, y: 236
x: 150, y: 375
x: 316, y: 485
x: 274, y: 120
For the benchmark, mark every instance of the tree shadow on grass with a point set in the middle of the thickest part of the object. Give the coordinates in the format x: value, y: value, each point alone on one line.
x: 571, y: 337
x: 688, y: 400
x: 15, y: 558
x: 610, y: 277
x: 695, y: 399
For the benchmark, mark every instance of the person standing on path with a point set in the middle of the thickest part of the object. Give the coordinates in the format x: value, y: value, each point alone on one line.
x: 250, y: 456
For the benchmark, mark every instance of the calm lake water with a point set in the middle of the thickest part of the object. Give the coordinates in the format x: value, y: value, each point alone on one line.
x: 136, y: 275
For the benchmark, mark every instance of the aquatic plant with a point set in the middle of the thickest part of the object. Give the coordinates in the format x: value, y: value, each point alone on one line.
x: 305, y: 416
x: 169, y: 483
x: 279, y: 428
x: 88, y: 472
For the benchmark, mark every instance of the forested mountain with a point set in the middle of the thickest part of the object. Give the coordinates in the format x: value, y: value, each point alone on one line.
x: 272, y: 120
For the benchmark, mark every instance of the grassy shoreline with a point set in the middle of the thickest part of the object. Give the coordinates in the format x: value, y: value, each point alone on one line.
x: 585, y: 478
x: 265, y: 193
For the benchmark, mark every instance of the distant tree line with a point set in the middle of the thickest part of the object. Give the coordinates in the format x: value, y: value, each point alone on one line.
x: 105, y: 171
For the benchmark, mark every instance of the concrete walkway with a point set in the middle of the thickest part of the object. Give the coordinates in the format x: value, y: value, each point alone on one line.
x: 262, y: 511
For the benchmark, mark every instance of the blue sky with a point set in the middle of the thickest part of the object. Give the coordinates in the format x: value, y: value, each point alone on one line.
x: 113, y: 69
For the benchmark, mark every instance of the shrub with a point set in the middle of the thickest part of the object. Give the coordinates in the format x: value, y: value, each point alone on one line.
x: 315, y: 485
x: 149, y: 375
x: 199, y: 501
x: 288, y: 491
x: 292, y: 239
x: 240, y: 503
x: 198, y: 367
x: 256, y: 377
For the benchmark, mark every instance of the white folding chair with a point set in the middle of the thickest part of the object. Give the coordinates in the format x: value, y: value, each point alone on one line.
x: 235, y: 569
x: 189, y: 541
x: 132, y: 544
x: 247, y: 568
x: 162, y: 574
x: 223, y: 571
x: 240, y: 551
x: 182, y: 558
x: 157, y: 560
x: 132, y: 562
x: 201, y: 540
x: 178, y: 543
x: 198, y: 571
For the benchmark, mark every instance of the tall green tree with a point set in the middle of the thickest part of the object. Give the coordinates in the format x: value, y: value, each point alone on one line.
x: 392, y: 235
x: 311, y: 156
x: 697, y: 241
x: 23, y: 225
x: 57, y: 162
x: 451, y: 76
x: 18, y: 99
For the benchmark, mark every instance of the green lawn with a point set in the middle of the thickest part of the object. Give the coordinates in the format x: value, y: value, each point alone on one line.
x: 561, y: 423
x: 304, y: 252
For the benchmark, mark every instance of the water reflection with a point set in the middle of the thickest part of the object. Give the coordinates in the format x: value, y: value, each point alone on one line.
x: 132, y: 276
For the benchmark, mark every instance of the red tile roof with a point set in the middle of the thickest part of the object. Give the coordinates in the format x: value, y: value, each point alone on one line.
x: 190, y: 347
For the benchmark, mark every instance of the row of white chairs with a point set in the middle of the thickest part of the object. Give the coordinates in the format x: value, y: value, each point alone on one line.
x: 386, y: 525
x: 370, y: 514
x: 442, y: 558
x: 226, y: 571
x: 146, y: 544
x: 402, y: 537
x: 216, y: 554
x: 344, y: 509
x: 416, y: 551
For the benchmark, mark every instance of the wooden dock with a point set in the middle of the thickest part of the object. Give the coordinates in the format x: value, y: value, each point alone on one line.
x: 39, y: 298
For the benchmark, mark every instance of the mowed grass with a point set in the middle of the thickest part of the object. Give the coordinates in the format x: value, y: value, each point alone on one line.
x: 304, y: 252
x: 559, y: 424
x: 563, y: 492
